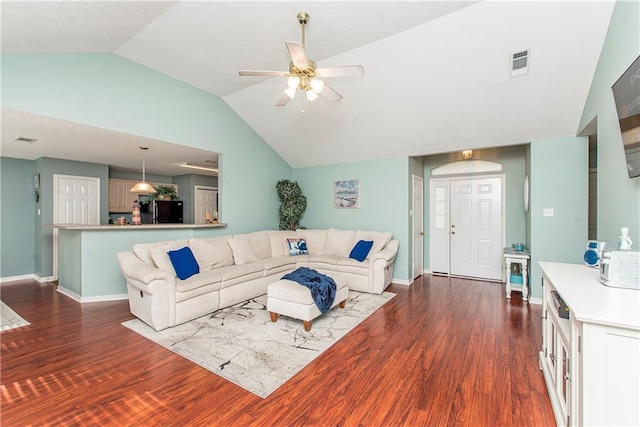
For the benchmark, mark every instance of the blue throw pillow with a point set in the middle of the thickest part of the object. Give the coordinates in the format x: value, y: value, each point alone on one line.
x: 361, y: 250
x: 184, y: 263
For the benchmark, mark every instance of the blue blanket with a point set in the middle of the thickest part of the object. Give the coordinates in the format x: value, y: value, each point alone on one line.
x: 322, y: 287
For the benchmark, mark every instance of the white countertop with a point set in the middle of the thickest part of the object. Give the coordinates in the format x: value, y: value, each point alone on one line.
x: 589, y: 300
x: 132, y: 227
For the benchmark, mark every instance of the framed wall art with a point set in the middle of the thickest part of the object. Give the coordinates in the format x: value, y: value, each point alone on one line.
x: 346, y: 194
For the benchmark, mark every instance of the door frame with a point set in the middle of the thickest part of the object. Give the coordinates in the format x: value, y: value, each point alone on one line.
x: 56, y: 202
x: 503, y: 213
x: 415, y: 226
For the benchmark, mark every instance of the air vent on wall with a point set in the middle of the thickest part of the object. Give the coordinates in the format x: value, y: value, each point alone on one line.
x: 520, y: 63
x: 25, y: 140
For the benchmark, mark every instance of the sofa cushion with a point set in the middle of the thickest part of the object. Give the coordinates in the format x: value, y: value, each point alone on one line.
x: 275, y: 265
x: 206, y: 278
x: 184, y: 263
x: 211, y: 252
x: 160, y: 254
x: 143, y: 250
x: 361, y: 250
x: 380, y: 240
x: 260, y: 243
x: 242, y: 251
x: 297, y: 246
x: 236, y: 274
x: 278, y: 241
x: 339, y: 242
x: 315, y: 240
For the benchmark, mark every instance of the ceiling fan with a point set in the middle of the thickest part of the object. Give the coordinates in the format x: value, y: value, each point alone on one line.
x: 303, y: 73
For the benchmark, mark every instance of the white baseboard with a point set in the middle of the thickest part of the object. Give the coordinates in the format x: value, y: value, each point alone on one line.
x: 17, y: 278
x: 397, y: 281
x: 99, y: 298
x: 27, y: 277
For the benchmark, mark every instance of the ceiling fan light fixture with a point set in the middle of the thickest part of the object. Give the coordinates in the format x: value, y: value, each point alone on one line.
x: 293, y: 82
x: 311, y: 95
x: 317, y: 85
x: 291, y: 92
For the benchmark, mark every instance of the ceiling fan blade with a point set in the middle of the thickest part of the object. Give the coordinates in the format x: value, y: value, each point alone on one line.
x: 263, y: 73
x: 298, y: 57
x: 348, y: 70
x: 330, y: 94
x: 282, y: 101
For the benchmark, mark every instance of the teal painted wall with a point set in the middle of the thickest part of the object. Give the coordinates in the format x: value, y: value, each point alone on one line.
x: 17, y: 217
x: 513, y: 167
x: 559, y: 180
x: 110, y: 92
x: 383, y: 200
x: 618, y: 195
x: 47, y: 168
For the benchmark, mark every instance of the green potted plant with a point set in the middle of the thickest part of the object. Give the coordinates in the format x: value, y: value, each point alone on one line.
x: 164, y: 192
x: 293, y: 204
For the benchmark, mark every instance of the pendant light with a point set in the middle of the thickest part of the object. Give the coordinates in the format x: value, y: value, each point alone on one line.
x: 143, y: 186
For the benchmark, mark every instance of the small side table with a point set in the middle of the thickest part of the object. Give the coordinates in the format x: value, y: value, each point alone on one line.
x: 512, y: 256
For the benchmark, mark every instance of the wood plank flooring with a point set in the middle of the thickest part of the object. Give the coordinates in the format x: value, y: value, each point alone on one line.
x: 444, y: 351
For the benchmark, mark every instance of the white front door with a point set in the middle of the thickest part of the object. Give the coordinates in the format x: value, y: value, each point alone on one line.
x: 206, y: 201
x: 417, y: 225
x: 76, y: 201
x: 476, y: 227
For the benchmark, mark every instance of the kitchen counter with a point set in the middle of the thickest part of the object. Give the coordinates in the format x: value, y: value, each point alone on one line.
x: 132, y: 227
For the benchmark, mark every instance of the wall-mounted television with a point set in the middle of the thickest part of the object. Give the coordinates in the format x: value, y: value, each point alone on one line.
x: 626, y: 92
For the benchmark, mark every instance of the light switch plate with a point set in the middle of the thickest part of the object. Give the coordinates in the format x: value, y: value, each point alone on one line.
x: 547, y: 212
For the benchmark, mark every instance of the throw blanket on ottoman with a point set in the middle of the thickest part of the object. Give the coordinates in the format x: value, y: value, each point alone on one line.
x: 322, y: 287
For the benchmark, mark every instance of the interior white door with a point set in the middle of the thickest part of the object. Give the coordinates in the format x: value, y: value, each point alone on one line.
x: 417, y: 224
x: 206, y: 201
x: 77, y: 201
x: 476, y: 228
x: 439, y: 226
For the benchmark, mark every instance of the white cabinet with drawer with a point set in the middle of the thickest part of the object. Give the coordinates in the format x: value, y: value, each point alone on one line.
x: 590, y: 361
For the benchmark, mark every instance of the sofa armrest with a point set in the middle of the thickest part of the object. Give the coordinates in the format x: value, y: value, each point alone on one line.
x: 142, y: 275
x: 388, y: 253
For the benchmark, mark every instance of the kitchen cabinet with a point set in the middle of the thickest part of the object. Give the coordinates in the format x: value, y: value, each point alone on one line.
x: 121, y: 199
x: 590, y: 359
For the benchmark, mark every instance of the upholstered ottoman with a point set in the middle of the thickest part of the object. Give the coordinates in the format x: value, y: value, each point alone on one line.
x: 289, y: 298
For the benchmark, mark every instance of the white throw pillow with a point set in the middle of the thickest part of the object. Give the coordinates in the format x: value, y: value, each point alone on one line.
x: 242, y: 251
x: 278, y: 241
x: 259, y: 243
x: 339, y: 242
x: 211, y: 252
x: 315, y: 240
x: 159, y: 254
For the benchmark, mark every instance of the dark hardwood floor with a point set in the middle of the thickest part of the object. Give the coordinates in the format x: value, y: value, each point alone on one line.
x: 442, y: 352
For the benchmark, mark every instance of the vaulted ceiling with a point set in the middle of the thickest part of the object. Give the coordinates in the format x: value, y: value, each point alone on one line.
x: 437, y: 73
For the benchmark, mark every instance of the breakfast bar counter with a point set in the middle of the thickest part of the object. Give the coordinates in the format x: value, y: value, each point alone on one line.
x: 117, y: 227
x: 88, y: 269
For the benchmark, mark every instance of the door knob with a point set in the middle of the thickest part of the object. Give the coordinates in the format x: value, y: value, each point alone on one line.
x: 453, y: 232
x: 422, y: 233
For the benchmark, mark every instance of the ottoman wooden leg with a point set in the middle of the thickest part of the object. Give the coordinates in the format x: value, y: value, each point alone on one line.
x: 307, y: 325
x: 342, y: 304
x: 274, y: 316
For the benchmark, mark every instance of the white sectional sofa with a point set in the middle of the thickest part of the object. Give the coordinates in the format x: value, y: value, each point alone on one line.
x: 236, y: 268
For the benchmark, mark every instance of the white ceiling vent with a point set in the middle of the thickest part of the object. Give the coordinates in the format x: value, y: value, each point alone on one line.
x: 520, y: 63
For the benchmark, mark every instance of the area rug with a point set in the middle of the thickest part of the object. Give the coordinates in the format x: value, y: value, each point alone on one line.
x: 242, y: 345
x: 9, y: 319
